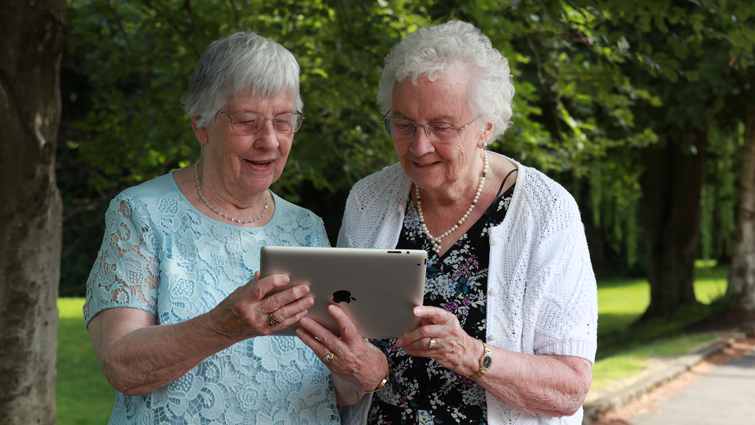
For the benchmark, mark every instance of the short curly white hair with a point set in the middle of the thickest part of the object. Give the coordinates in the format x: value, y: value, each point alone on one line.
x: 437, y: 51
x: 241, y: 63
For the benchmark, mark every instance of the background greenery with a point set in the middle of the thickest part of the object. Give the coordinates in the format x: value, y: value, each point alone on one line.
x: 600, y: 84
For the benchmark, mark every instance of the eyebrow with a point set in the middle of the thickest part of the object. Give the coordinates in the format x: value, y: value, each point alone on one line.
x: 442, y: 118
x: 260, y: 113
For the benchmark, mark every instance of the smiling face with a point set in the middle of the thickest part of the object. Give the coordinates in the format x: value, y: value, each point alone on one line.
x: 241, y: 166
x: 445, y: 167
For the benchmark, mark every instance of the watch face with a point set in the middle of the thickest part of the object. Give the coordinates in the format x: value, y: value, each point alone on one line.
x: 487, y: 361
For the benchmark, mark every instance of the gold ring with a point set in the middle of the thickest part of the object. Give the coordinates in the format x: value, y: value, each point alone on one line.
x: 272, y: 320
x: 328, y: 357
x: 431, y: 344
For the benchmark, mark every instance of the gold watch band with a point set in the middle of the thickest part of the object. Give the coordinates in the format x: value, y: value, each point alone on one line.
x: 483, y: 370
x: 380, y: 385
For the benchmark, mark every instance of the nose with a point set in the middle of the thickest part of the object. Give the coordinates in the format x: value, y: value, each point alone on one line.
x: 420, y: 142
x: 267, y: 137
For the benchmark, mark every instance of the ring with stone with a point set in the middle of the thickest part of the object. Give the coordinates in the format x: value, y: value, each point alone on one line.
x: 328, y: 357
x: 431, y: 344
x: 272, y: 320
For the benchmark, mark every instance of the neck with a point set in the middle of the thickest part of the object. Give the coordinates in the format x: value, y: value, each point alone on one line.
x: 443, y: 213
x: 458, y: 193
x: 230, y: 210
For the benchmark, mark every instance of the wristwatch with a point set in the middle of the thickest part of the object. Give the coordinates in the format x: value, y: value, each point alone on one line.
x: 486, y: 360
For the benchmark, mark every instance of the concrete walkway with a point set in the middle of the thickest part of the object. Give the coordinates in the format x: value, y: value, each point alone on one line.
x: 724, y: 395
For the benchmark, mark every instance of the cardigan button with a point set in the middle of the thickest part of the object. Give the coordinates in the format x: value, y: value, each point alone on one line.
x: 493, y: 241
x: 491, y: 338
x: 494, y: 292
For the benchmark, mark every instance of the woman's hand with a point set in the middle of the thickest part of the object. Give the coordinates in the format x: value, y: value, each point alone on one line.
x: 357, y: 365
x: 252, y: 310
x: 137, y: 356
x: 546, y: 384
x: 441, y: 338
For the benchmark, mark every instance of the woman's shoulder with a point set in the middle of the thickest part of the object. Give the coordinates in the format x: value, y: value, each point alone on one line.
x: 381, y: 184
x: 296, y: 225
x: 391, y: 173
x: 289, y: 208
x: 144, y: 202
x: 540, y: 188
x: 152, y: 189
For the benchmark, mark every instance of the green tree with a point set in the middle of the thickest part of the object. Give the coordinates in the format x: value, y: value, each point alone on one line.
x: 694, y: 47
x: 612, y: 98
x: 672, y: 68
x: 128, y: 65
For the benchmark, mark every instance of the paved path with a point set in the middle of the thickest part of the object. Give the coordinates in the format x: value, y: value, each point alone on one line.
x: 723, y: 395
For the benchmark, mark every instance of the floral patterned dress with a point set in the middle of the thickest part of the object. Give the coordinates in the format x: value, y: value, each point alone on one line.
x: 420, y: 390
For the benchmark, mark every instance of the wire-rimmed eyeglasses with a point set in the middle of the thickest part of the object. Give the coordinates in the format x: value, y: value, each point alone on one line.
x: 245, y: 122
x: 443, y: 132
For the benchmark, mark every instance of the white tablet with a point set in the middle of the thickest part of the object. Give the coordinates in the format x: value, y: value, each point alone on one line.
x: 377, y: 288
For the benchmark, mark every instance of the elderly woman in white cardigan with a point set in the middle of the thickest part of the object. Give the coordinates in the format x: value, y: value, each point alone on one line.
x: 510, y: 306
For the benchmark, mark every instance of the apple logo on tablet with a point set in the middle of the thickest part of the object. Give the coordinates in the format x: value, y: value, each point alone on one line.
x: 342, y: 296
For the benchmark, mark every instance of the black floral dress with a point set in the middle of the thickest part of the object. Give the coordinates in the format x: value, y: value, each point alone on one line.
x: 421, y: 391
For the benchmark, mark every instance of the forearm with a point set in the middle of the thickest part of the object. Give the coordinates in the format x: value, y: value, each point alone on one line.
x: 549, y: 385
x: 140, y: 359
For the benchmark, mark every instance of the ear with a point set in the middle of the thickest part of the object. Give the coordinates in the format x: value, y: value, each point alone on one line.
x: 200, y: 132
x: 487, y: 132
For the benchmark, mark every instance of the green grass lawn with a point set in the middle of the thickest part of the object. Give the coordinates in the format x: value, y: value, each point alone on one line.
x: 85, y: 397
x: 624, y: 350
x: 83, y: 394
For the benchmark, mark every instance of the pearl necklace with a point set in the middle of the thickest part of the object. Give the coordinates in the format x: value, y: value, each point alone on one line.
x: 235, y: 220
x: 436, y: 240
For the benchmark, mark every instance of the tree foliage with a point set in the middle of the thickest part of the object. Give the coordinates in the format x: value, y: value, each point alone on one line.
x: 600, y: 84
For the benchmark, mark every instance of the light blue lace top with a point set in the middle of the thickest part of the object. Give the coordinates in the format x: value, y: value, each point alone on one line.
x: 161, y: 255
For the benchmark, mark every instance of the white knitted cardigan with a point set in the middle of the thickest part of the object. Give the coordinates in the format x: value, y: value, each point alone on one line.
x: 542, y: 296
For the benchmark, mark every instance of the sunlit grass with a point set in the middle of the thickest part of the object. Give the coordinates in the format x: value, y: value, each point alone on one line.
x: 611, y: 369
x: 625, y: 347
x: 710, y: 280
x: 621, y: 302
x: 83, y: 395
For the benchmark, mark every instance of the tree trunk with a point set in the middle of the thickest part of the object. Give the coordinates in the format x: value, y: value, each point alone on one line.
x: 31, y: 45
x: 742, y: 273
x: 671, y: 189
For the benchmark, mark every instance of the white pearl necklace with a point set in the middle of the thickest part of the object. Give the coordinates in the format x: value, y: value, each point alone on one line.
x: 235, y: 220
x: 436, y: 240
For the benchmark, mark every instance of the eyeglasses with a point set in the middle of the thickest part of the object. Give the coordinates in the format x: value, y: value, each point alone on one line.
x: 251, y: 122
x: 443, y: 132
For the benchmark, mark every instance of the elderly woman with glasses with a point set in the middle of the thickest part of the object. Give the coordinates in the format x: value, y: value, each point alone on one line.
x: 181, y: 323
x: 510, y: 308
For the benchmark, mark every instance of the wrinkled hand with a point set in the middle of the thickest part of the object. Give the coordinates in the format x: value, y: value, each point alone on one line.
x: 451, y: 346
x: 354, y: 360
x: 245, y: 313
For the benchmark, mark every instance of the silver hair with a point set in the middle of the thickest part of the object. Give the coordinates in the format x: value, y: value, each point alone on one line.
x: 241, y: 63
x: 437, y: 51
